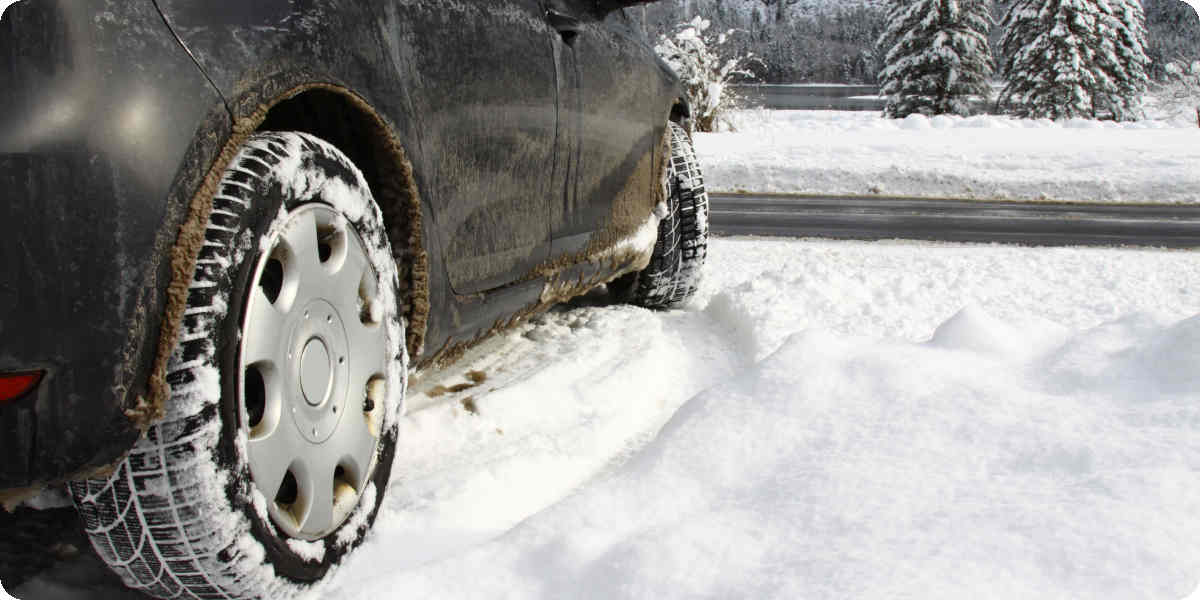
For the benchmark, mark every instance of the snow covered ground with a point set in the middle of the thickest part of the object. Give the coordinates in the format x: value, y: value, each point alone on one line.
x: 825, y: 420
x: 838, y: 419
x: 984, y: 157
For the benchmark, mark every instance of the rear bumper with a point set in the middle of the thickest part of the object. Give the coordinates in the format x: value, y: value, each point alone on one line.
x: 98, y: 153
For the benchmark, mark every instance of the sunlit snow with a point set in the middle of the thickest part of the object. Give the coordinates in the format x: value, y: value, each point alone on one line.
x: 842, y: 419
x: 985, y: 157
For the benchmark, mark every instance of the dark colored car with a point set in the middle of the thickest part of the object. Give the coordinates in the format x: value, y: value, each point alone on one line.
x: 233, y: 228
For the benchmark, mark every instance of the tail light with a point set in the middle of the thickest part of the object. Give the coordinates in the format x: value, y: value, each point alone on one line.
x: 15, y: 385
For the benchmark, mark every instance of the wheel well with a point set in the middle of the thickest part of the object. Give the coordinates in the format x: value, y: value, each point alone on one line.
x: 681, y: 110
x: 345, y: 120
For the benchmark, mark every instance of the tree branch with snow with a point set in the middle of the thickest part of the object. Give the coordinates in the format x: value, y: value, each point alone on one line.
x: 693, y: 52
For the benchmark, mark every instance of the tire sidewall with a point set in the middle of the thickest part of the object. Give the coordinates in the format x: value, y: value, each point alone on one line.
x: 268, y: 201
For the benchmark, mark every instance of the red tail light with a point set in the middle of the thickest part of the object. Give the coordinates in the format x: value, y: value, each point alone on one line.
x: 16, y: 385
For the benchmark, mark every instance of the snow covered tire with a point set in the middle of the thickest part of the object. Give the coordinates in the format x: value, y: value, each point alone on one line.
x: 184, y: 515
x: 673, y: 275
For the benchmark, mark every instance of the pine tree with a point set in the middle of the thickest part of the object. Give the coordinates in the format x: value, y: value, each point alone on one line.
x: 936, y: 56
x: 1122, y: 58
x: 1074, y: 58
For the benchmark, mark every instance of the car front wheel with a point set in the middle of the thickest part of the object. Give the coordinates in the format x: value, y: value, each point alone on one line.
x: 287, y: 381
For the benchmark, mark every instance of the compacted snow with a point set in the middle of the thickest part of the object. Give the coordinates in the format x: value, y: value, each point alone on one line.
x: 838, y: 419
x: 986, y: 157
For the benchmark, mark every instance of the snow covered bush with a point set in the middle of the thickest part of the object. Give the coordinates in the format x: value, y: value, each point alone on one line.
x: 694, y: 53
x: 937, y: 57
x: 1074, y: 58
x: 1177, y: 97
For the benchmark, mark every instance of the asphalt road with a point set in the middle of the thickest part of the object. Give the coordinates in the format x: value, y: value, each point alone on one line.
x: 810, y: 97
x: 1027, y: 223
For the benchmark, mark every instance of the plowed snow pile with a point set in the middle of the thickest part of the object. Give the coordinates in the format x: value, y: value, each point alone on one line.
x: 985, y: 157
x: 828, y: 420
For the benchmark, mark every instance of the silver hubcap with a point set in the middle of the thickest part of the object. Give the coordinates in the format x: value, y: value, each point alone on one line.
x: 312, y: 372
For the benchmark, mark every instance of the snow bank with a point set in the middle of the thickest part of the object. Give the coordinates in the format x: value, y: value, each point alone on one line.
x: 765, y: 291
x: 890, y: 420
x: 984, y: 157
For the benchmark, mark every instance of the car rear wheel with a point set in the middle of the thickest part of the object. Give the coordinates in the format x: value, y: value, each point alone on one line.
x: 287, y: 381
x: 673, y: 275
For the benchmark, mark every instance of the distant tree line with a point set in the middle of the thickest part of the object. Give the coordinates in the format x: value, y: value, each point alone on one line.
x: 797, y: 41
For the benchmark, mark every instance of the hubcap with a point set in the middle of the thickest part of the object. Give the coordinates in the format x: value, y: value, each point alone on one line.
x: 315, y: 372
x: 313, y: 359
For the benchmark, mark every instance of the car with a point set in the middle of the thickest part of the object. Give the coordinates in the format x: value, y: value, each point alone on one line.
x: 234, y: 229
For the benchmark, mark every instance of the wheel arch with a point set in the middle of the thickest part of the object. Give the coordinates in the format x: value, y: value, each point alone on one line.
x: 681, y: 111
x: 345, y: 119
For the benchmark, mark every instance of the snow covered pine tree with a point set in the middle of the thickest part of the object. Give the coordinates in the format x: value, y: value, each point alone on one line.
x: 1074, y: 58
x: 936, y: 56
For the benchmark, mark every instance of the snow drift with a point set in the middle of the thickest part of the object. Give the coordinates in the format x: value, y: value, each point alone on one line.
x: 1035, y: 440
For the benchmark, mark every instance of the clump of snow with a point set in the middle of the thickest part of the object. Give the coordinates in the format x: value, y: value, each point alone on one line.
x: 944, y: 121
x: 358, y: 520
x: 640, y: 241
x: 974, y: 330
x: 915, y: 122
x: 985, y: 156
x: 308, y: 551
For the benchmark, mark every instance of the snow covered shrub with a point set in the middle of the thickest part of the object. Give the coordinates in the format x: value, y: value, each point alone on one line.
x: 1177, y: 97
x: 1074, y: 58
x: 937, y: 57
x: 693, y: 52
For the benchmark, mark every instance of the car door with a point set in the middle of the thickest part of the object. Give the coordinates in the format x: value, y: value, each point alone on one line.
x: 612, y: 121
x: 483, y: 77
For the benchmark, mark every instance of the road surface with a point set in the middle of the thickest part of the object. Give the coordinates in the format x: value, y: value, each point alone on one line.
x: 1029, y: 223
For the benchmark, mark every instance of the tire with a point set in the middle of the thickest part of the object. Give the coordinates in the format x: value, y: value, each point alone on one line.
x: 673, y: 275
x: 274, y: 345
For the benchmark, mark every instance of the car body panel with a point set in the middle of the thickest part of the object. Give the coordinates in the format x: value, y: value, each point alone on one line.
x: 492, y: 118
x: 615, y: 117
x: 256, y: 55
x: 103, y: 113
x: 131, y: 112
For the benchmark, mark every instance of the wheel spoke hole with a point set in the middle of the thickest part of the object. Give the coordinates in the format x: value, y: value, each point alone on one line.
x: 289, y: 492
x: 370, y: 311
x: 376, y: 389
x: 255, y: 396
x: 345, y: 487
x: 373, y: 399
x: 331, y: 241
x: 271, y: 280
x: 326, y: 238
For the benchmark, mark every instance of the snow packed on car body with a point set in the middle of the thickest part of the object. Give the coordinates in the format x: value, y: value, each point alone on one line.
x: 193, y: 193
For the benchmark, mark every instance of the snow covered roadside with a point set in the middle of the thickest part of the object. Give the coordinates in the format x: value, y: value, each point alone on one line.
x: 985, y: 157
x: 888, y: 420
